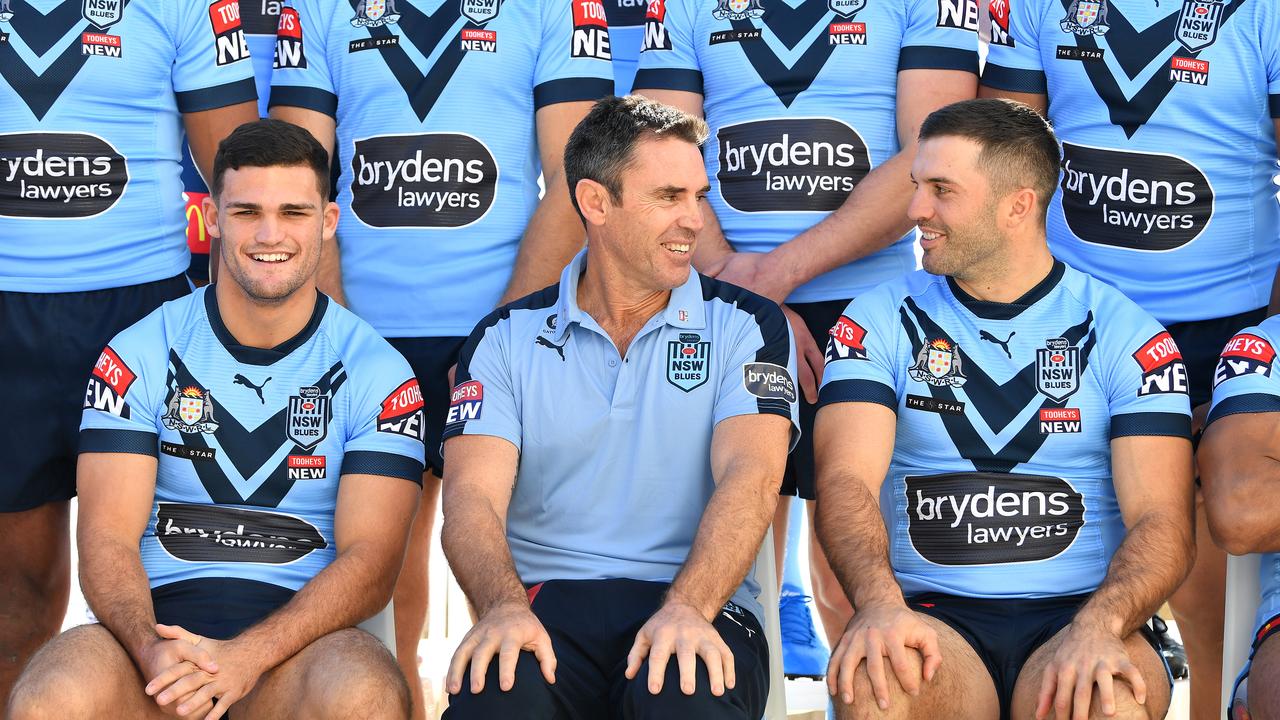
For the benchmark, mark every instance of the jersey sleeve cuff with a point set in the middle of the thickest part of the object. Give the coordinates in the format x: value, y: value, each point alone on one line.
x: 1151, y: 423
x: 1241, y: 404
x: 308, y: 98
x: 565, y: 90
x: 219, y: 96
x: 1014, y: 79
x: 842, y: 391
x: 668, y: 79
x: 372, y: 462
x: 915, y: 57
x: 1274, y: 102
x: 102, y: 440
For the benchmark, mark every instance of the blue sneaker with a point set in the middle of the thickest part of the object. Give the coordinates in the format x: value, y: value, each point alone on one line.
x: 803, y: 652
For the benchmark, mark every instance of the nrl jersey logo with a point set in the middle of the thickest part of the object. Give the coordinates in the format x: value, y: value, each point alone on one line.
x: 1086, y: 17
x: 938, y: 363
x: 375, y: 13
x: 738, y: 9
x: 190, y: 410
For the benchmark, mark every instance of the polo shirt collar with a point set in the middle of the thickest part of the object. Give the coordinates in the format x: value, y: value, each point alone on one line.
x: 685, y: 309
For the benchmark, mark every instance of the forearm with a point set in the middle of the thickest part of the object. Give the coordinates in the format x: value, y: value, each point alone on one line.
x: 352, y: 588
x: 856, y: 544
x: 116, y: 589
x: 1151, y: 562
x: 728, y: 539
x: 475, y: 544
x: 554, y: 235
x: 329, y: 274
x: 873, y: 217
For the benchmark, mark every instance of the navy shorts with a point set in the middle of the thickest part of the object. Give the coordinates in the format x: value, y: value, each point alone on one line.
x: 1201, y: 342
x: 592, y: 624
x: 1239, y: 708
x: 49, y: 343
x: 431, y: 359
x: 1005, y: 633
x: 819, y: 317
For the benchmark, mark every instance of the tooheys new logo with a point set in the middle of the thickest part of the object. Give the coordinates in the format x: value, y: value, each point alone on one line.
x: 401, y: 412
x: 1244, y: 354
x: 211, y: 533
x: 590, y: 31
x: 1139, y: 201
x: 655, y: 27
x: 434, y: 180
x: 790, y: 165
x: 991, y: 518
x: 1162, y: 368
x: 228, y: 35
x: 290, y: 52
x: 59, y: 175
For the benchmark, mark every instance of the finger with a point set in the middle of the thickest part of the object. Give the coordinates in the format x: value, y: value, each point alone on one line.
x: 659, y: 655
x: 199, y: 656
x: 1048, y: 685
x: 849, y: 666
x: 221, y: 707
x: 808, y: 384
x: 183, y: 687
x: 833, y: 664
x: 1082, y: 698
x: 168, y: 677
x: 1106, y: 691
x: 900, y: 661
x: 730, y: 669
x: 927, y: 644
x: 714, y: 659
x: 875, y: 672
x: 508, y: 655
x: 546, y: 656
x: 197, y: 700
x: 1136, y: 681
x: 687, y: 661
x: 480, y: 664
x: 639, y: 651
x: 1062, y: 698
x: 458, y: 665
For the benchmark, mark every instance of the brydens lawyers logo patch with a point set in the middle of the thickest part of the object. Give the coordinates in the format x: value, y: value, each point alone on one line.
x: 1244, y: 354
x: 402, y: 412
x: 466, y: 402
x: 190, y: 410
x: 1057, y: 369
x: 108, y: 384
x: 307, y: 423
x: 688, y: 361
x: 938, y: 364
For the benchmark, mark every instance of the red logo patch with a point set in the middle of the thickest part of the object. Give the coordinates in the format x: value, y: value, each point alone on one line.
x: 402, y: 401
x: 1157, y: 352
x: 1059, y: 414
x: 848, y: 333
x: 112, y: 370
x: 1249, y: 346
x: 306, y: 461
x: 656, y: 10
x: 225, y: 16
x: 290, y: 24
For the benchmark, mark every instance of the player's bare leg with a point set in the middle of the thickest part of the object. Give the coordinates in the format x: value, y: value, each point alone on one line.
x: 828, y: 595
x: 1198, y: 607
x: 412, y: 591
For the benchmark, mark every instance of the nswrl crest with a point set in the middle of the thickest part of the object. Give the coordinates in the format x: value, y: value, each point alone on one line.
x: 375, y: 13
x: 307, y: 423
x: 1057, y: 369
x: 938, y: 363
x: 738, y: 9
x: 1086, y: 17
x: 103, y: 13
x: 688, y: 361
x: 190, y: 410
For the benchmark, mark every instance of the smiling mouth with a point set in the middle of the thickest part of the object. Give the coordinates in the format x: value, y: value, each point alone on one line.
x: 678, y: 248
x: 270, y: 257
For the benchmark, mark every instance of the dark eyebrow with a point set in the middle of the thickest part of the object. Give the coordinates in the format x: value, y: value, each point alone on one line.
x: 673, y: 190
x: 284, y: 206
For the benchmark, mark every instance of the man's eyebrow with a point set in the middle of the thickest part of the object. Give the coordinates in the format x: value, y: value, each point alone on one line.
x: 246, y: 205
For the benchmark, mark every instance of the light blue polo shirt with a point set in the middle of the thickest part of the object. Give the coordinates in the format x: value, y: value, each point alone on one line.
x: 615, y: 453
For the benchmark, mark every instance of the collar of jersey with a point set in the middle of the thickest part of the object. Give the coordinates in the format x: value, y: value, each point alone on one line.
x: 687, y: 299
x: 1007, y: 311
x: 261, y: 356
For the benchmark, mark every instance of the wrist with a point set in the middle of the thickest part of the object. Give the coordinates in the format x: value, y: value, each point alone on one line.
x: 676, y: 599
x: 1089, y: 622
x: 783, y: 270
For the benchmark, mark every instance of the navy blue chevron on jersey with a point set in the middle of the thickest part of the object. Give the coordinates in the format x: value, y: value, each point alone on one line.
x: 1245, y: 382
x: 435, y: 103
x: 91, y: 137
x: 615, y: 452
x: 251, y: 443
x: 1165, y: 112
x: 801, y: 98
x: 1000, y: 484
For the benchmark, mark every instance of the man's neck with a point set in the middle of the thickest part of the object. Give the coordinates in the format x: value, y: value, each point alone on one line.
x: 258, y: 324
x: 1009, y: 280
x: 620, y: 308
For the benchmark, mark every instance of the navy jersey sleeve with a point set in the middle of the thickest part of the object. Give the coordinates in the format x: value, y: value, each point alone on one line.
x: 1013, y: 56
x: 211, y: 68
x: 574, y: 57
x: 386, y: 416
x: 1144, y: 376
x: 669, y: 56
x: 301, y: 75
x: 940, y: 35
x: 862, y: 353
x: 124, y: 397
x: 484, y: 401
x: 1243, y: 381
x: 760, y: 369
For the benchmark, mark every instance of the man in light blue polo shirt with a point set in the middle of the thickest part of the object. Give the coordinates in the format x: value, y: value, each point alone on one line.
x: 645, y: 413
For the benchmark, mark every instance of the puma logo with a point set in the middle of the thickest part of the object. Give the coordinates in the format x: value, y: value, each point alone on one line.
x: 242, y: 380
x: 983, y: 334
x: 540, y: 340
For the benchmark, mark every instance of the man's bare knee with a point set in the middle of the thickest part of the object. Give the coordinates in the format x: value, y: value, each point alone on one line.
x: 354, y: 676
x: 54, y: 684
x: 866, y: 707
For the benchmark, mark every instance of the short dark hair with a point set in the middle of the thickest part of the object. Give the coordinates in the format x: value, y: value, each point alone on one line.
x: 270, y: 143
x: 1018, y: 145
x: 603, y: 144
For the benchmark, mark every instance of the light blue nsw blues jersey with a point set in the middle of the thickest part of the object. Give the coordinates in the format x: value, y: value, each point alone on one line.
x: 1165, y: 112
x: 615, y: 453
x: 251, y: 443
x: 801, y: 98
x: 435, y: 103
x: 1000, y: 484
x: 1245, y: 382
x: 91, y: 96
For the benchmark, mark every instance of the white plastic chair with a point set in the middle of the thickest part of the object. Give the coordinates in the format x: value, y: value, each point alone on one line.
x: 383, y: 627
x: 766, y: 576
x: 1237, y: 629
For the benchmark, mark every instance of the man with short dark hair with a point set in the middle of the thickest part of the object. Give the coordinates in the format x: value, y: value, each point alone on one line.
x: 249, y: 463
x: 645, y: 413
x: 1022, y: 427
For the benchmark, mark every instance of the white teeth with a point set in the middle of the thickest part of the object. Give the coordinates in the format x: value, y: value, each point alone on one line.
x: 673, y: 247
x: 929, y: 235
x: 270, y: 257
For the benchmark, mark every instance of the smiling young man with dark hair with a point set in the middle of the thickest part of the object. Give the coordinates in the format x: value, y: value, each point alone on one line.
x: 249, y: 458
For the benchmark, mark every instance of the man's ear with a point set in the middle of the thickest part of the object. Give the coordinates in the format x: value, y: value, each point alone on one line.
x: 594, y: 201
